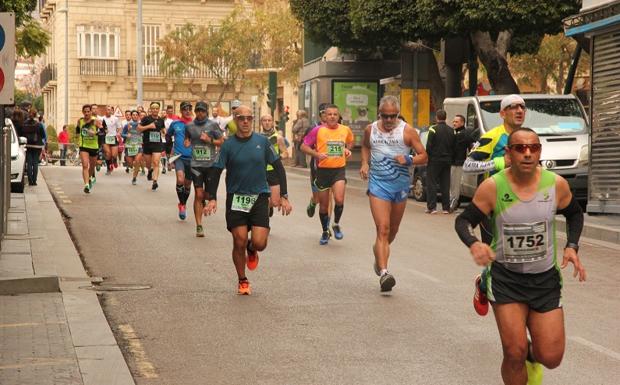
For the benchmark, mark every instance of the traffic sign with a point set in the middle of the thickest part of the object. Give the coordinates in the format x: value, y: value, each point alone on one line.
x: 7, y: 57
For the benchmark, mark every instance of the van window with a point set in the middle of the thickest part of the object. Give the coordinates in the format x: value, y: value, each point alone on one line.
x: 472, y: 117
x: 545, y: 116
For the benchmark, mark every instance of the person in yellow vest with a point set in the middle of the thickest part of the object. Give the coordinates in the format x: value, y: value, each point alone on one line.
x: 86, y: 129
x: 277, y: 141
x: 231, y: 125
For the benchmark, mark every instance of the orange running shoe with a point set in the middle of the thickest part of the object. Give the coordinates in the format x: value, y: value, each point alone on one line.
x: 252, y: 260
x: 244, y: 288
x: 481, y: 302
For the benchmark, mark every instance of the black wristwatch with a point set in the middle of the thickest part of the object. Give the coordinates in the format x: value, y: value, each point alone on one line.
x: 572, y: 246
x: 285, y: 196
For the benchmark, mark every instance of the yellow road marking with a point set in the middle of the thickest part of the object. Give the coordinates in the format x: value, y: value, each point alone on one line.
x: 143, y: 366
x: 66, y: 201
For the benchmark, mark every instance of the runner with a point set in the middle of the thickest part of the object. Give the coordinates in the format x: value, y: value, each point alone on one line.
x: 524, y: 281
x: 385, y: 162
x: 245, y: 157
x: 133, y: 145
x: 277, y: 141
x: 488, y: 157
x: 100, y: 134
x: 202, y: 137
x: 182, y: 157
x: 86, y: 129
x: 333, y: 143
x: 112, y: 127
x: 151, y: 128
x: 314, y: 198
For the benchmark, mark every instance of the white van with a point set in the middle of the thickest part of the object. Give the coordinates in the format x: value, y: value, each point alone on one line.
x: 559, y: 120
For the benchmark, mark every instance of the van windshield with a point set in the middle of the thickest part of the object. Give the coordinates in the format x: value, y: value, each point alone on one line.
x: 545, y: 116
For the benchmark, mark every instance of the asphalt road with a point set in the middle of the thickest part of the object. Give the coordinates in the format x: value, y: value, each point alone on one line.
x: 316, y: 315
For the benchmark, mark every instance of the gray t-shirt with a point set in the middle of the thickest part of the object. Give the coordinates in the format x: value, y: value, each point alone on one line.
x: 203, y: 154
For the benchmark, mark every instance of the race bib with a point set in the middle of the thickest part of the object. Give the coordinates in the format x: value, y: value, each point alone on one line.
x: 335, y: 148
x: 132, y: 150
x: 201, y: 153
x: 86, y: 134
x: 243, y: 202
x: 525, y: 242
x: 110, y: 140
x: 154, y: 136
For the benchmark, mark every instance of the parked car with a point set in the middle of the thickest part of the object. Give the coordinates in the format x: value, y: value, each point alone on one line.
x: 417, y: 189
x: 18, y: 159
x: 559, y: 120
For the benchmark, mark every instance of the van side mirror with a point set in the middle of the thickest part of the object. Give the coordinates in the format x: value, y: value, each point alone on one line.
x: 22, y: 140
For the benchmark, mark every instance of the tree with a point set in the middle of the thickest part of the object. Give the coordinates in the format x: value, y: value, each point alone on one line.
x: 31, y: 40
x: 549, y: 65
x: 495, y: 27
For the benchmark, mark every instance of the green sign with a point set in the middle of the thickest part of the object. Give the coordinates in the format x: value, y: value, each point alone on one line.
x: 357, y: 102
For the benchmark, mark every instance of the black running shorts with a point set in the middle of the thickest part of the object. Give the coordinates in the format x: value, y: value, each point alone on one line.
x: 542, y: 292
x: 326, y: 177
x: 150, y: 148
x: 203, y: 176
x: 258, y: 215
x: 92, y: 152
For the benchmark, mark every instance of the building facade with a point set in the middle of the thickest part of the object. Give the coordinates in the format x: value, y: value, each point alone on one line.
x: 102, y: 53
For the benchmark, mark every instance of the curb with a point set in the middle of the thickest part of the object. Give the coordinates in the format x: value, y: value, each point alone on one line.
x: 29, y: 285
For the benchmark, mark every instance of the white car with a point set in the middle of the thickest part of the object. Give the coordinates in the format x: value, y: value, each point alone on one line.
x: 18, y: 159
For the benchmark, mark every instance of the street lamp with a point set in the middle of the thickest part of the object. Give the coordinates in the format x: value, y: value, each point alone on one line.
x: 65, y: 10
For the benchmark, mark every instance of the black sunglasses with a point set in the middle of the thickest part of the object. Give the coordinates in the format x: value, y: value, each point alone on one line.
x: 522, y: 147
x: 388, y: 116
x: 244, y: 118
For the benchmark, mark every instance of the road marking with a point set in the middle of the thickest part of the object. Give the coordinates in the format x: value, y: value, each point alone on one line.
x: 30, y: 324
x: 66, y: 201
x: 596, y: 347
x: 143, y: 366
x: 424, y: 275
x: 38, y: 362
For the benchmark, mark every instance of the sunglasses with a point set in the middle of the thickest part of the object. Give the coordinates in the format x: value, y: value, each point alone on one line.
x: 515, y: 106
x: 245, y: 118
x: 521, y: 147
x: 388, y: 116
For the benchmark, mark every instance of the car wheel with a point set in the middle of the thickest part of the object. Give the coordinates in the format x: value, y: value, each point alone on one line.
x: 418, y: 189
x: 19, y: 186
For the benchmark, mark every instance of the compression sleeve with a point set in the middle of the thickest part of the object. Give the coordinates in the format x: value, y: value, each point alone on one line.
x: 278, y: 167
x: 214, y: 183
x: 574, y: 221
x: 465, y: 223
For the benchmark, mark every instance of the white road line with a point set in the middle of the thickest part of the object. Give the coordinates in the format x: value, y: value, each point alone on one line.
x: 596, y: 347
x: 426, y: 276
x: 66, y: 201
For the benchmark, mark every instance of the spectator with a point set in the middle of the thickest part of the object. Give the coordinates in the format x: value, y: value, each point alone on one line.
x: 300, y: 125
x: 464, y: 139
x: 34, y: 133
x: 63, y: 143
x: 440, y: 147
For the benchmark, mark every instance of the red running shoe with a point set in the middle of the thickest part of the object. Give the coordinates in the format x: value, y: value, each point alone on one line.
x: 252, y: 261
x: 244, y: 288
x: 481, y: 302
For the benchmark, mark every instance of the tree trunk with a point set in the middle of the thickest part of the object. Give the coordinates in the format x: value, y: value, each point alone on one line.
x: 492, y: 54
x: 437, y: 87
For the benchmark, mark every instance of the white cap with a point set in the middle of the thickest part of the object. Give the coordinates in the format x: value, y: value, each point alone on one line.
x: 235, y: 103
x: 511, y: 99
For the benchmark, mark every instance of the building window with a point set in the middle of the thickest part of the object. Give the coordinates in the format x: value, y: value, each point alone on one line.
x: 98, y: 42
x: 150, y: 36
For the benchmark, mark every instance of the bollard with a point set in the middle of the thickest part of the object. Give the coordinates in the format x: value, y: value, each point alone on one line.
x: 5, y: 179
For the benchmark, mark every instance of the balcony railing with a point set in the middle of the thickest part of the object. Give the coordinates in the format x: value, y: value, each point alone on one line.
x: 48, y: 74
x: 98, y: 67
x: 158, y: 72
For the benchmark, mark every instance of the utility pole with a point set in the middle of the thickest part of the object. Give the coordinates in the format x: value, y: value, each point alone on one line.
x: 139, y: 54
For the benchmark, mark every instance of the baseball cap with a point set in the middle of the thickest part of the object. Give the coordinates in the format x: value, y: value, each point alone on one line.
x: 322, y: 107
x: 201, y: 106
x: 511, y: 99
x: 185, y: 104
x: 235, y: 103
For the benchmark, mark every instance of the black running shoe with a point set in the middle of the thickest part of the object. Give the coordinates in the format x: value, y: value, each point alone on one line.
x: 155, y: 185
x: 149, y: 176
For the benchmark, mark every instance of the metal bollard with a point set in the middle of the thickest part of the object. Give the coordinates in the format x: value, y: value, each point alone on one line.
x: 5, y: 179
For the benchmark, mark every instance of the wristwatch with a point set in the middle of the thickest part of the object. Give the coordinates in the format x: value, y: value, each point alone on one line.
x: 285, y: 196
x: 572, y: 246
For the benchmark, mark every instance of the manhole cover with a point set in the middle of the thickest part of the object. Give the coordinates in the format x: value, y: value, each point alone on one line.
x: 117, y: 287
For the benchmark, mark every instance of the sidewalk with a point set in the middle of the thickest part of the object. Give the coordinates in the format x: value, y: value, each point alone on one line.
x: 51, y: 330
x: 602, y: 228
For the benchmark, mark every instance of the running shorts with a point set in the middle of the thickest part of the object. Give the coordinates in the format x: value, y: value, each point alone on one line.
x: 92, y: 152
x: 542, y: 292
x: 378, y: 191
x: 150, y: 148
x: 272, y: 178
x: 326, y: 177
x: 202, y: 176
x: 181, y: 164
x: 258, y: 215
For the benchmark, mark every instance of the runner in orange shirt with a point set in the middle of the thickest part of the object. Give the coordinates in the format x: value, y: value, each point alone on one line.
x: 332, y: 143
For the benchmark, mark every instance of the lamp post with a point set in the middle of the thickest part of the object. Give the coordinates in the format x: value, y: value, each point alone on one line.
x: 65, y: 10
x: 139, y: 54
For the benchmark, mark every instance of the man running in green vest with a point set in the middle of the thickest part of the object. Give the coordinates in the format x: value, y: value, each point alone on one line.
x: 277, y: 141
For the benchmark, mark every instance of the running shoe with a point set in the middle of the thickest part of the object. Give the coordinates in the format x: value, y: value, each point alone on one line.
x: 252, y: 261
x: 163, y: 170
x: 149, y: 176
x: 127, y: 170
x: 142, y: 172
x: 134, y: 181
x: 87, y: 189
x: 324, y: 238
x: 244, y: 287
x: 182, y: 212
x: 534, y: 373
x: 429, y: 211
x: 311, y: 208
x: 98, y: 167
x: 481, y: 302
x: 387, y: 282
x: 155, y: 185
x: 337, y: 232
x: 200, y: 233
